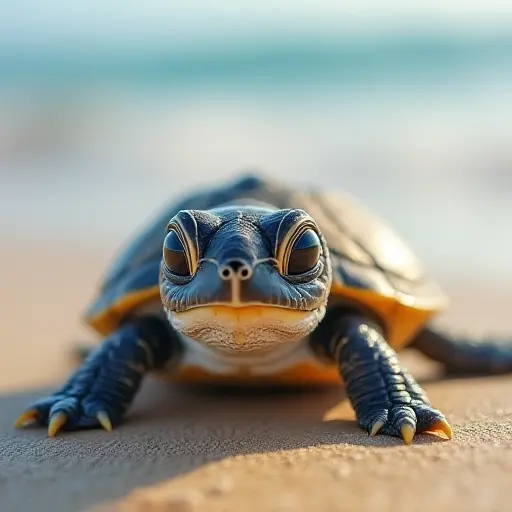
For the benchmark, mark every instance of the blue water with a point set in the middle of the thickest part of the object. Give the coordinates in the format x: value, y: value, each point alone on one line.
x: 265, y: 63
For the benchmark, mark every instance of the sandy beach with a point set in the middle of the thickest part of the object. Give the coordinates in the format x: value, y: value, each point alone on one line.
x: 108, y: 113
x: 186, y: 449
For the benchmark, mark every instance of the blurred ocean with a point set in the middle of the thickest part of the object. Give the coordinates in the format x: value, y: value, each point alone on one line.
x: 419, y: 129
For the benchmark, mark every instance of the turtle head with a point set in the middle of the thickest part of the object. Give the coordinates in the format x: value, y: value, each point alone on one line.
x: 244, y: 278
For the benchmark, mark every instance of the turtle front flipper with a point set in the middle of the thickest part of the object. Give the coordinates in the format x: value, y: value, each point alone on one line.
x: 464, y: 355
x: 385, y: 397
x: 103, y: 388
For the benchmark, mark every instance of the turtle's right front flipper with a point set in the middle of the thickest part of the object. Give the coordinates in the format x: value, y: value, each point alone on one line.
x: 464, y: 355
x: 385, y: 397
x: 103, y: 388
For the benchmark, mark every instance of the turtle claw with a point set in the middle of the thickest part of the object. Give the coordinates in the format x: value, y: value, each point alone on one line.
x: 407, y: 431
x: 441, y: 427
x: 376, y: 427
x: 405, y: 421
x: 57, y: 421
x: 432, y: 421
x: 27, y: 417
x: 104, y: 421
x: 62, y: 412
x: 59, y: 412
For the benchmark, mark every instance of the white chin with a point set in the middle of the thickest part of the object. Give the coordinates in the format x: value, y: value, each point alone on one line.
x: 245, y: 329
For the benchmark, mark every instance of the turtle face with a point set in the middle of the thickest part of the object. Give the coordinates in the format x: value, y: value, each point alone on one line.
x: 244, y: 278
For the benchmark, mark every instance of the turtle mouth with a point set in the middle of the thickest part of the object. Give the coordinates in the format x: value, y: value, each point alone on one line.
x: 245, y: 328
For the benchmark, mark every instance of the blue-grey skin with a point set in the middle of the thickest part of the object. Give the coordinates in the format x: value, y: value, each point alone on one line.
x: 249, y: 235
x: 229, y: 238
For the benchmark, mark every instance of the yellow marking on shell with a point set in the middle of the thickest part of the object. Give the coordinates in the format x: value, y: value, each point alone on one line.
x: 108, y: 319
x: 56, y: 423
x: 402, y: 321
x: 26, y: 417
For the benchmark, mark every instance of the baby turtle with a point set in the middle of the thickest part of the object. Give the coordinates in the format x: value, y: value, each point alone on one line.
x: 255, y: 282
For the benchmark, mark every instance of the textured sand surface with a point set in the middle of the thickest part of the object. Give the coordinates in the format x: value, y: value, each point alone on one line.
x: 183, y: 450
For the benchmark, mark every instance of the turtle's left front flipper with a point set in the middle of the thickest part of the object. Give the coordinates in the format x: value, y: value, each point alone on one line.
x: 102, y: 389
x: 385, y: 397
x: 465, y: 356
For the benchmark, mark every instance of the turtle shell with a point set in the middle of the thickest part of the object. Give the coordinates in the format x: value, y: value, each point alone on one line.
x: 372, y: 266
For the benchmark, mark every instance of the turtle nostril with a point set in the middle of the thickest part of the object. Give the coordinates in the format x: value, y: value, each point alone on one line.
x: 226, y: 273
x: 235, y: 268
x: 244, y: 272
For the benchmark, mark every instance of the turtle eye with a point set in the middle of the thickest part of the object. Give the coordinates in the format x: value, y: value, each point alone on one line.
x: 305, y: 253
x: 175, y: 255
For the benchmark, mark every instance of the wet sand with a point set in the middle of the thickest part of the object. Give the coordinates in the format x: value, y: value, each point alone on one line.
x: 190, y: 450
